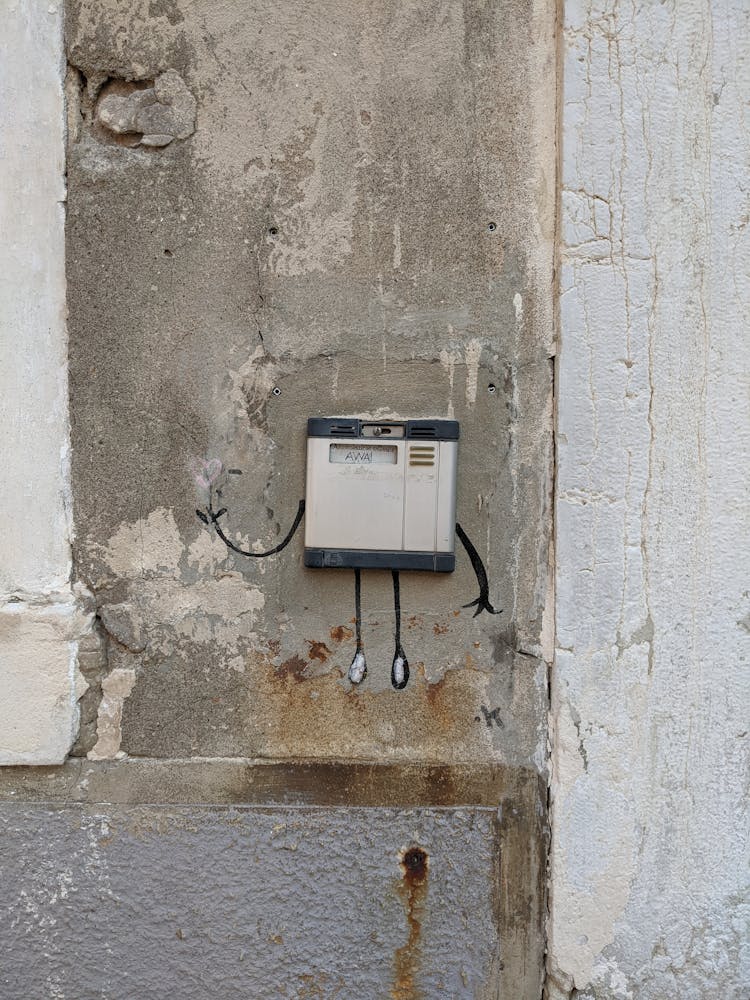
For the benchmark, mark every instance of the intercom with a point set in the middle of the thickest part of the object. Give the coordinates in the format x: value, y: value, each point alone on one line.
x: 381, y: 494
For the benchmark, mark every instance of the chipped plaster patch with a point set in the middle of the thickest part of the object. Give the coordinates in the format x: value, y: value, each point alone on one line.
x: 154, y: 116
x: 161, y: 611
x: 116, y: 687
x: 148, y: 546
x: 206, y: 552
x: 160, y: 606
x: 448, y: 361
x: 472, y: 354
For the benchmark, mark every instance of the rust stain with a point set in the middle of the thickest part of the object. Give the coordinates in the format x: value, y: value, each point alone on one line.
x: 443, y: 710
x: 294, y: 667
x: 318, y: 650
x: 340, y: 633
x: 313, y: 985
x: 275, y: 646
x: 439, y: 629
x: 302, y: 710
x: 415, y: 620
x: 412, y: 889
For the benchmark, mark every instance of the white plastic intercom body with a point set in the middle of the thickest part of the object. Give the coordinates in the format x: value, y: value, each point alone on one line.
x: 381, y: 494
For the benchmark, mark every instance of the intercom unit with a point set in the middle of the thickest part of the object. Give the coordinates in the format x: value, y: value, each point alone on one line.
x: 381, y: 494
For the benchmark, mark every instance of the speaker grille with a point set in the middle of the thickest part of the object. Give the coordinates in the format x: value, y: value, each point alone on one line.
x: 421, y: 455
x: 344, y: 430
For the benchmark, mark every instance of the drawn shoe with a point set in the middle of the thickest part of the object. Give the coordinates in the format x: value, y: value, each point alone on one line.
x: 358, y: 668
x: 400, y: 671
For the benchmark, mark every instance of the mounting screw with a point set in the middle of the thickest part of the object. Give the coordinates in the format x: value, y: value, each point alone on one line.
x: 276, y: 391
x: 491, y: 387
x: 492, y: 226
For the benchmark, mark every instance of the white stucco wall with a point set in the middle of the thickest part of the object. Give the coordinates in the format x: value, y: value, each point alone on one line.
x: 40, y: 620
x: 650, y: 687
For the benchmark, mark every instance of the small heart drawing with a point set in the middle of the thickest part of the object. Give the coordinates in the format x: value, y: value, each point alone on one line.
x: 205, y: 471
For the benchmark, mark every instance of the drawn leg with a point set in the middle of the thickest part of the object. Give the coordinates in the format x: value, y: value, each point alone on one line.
x: 358, y: 667
x: 400, y: 666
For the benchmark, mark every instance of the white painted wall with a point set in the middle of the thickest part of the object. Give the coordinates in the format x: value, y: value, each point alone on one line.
x: 649, y: 891
x: 40, y: 620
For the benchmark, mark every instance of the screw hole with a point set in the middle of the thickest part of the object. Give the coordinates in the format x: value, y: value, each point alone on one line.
x: 276, y: 391
x: 491, y: 387
x: 273, y: 231
x: 168, y: 253
x: 492, y: 226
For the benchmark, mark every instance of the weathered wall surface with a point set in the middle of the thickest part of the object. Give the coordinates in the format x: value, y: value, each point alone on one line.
x: 128, y: 878
x: 650, y: 687
x: 41, y: 619
x: 357, y: 219
x: 301, y: 199
x: 283, y: 210
x: 324, y: 907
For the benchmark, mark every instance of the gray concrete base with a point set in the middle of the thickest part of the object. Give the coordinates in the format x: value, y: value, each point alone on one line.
x: 140, y: 899
x: 203, y: 901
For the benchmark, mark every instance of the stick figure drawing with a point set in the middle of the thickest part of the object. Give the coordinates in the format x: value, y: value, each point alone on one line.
x: 372, y: 505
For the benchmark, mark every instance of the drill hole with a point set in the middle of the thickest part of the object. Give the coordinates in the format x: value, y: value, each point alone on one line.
x: 492, y: 226
x: 276, y: 391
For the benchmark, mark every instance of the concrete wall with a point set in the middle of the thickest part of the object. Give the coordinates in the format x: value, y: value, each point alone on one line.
x: 277, y: 211
x: 360, y: 222
x: 651, y: 686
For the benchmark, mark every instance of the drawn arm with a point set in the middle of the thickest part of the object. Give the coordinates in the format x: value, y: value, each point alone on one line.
x: 481, y: 603
x: 211, y: 517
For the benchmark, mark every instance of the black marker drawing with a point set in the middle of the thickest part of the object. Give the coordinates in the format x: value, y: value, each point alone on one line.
x: 491, y: 716
x: 212, y: 516
x: 358, y: 667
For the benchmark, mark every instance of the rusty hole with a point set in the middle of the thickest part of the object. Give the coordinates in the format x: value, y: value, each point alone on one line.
x: 414, y: 862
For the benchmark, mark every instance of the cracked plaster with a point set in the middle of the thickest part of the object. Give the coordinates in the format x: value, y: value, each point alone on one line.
x: 650, y: 686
